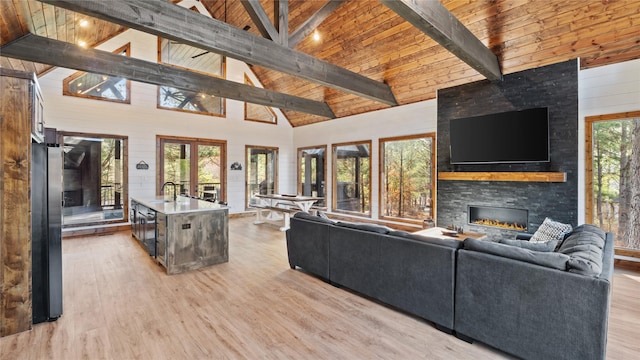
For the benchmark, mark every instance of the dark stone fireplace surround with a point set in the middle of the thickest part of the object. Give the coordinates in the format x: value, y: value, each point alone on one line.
x: 553, y: 86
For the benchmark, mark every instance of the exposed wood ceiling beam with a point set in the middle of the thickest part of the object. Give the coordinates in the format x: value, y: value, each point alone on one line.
x: 162, y: 18
x: 432, y: 18
x: 282, y: 21
x: 260, y: 19
x: 313, y: 22
x: 58, y: 53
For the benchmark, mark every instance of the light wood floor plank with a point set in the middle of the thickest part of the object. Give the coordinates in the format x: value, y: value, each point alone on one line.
x: 118, y: 304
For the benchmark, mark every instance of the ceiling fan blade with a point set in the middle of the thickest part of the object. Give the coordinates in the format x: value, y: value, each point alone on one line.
x: 195, y: 56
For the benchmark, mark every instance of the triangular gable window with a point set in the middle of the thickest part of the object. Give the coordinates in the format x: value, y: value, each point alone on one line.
x: 99, y: 86
x: 255, y: 112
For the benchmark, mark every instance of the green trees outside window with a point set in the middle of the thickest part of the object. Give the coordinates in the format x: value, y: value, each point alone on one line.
x: 407, y: 177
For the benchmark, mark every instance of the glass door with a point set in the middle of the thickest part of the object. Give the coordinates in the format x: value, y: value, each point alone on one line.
x: 196, y: 166
x: 209, y: 171
x: 261, y: 174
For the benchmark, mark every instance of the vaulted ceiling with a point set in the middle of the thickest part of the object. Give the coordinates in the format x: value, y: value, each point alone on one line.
x: 370, y: 39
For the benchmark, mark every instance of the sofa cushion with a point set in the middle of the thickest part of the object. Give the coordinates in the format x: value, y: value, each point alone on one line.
x: 585, y: 250
x: 551, y: 230
x: 526, y: 244
x: 380, y: 229
x: 306, y: 216
x: 552, y: 260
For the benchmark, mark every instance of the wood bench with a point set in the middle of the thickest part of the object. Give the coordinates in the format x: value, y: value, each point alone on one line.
x: 276, y: 213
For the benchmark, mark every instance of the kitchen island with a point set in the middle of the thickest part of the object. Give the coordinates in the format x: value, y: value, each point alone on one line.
x: 189, y: 233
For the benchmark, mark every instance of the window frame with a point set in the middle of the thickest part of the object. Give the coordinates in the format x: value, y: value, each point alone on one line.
x: 334, y: 179
x: 324, y: 170
x: 125, y: 175
x: 381, y: 172
x: 193, y: 161
x: 588, y: 169
x: 65, y: 83
x: 246, y: 172
x: 223, y: 101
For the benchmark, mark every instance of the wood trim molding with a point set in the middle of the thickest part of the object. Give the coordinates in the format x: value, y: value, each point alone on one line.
x: 504, y: 176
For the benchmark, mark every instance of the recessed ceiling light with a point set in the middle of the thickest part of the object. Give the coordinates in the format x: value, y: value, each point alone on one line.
x: 316, y: 36
x: 84, y: 23
x: 82, y: 43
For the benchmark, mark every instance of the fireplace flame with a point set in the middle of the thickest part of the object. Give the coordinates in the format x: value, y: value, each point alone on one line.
x: 500, y: 224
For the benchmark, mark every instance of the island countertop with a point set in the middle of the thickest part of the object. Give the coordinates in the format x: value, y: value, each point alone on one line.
x: 166, y: 205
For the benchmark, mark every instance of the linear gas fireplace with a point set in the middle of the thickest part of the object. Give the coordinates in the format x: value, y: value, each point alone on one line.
x: 499, y: 217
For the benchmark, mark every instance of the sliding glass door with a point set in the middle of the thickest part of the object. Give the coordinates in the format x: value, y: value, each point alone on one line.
x: 196, y: 166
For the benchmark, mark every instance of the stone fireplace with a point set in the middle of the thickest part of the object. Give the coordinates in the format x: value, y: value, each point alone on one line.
x: 553, y: 86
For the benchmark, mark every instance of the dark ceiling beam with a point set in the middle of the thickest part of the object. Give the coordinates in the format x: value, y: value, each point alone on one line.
x: 432, y: 18
x: 59, y: 53
x: 281, y: 8
x: 260, y: 19
x: 163, y: 18
x: 313, y: 22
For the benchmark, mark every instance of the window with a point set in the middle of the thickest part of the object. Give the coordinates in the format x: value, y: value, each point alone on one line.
x: 261, y: 172
x: 613, y: 177
x: 312, y: 166
x: 94, y: 179
x: 196, y: 166
x: 407, y: 177
x: 99, y: 87
x: 190, y: 58
x: 352, y: 177
x: 255, y: 112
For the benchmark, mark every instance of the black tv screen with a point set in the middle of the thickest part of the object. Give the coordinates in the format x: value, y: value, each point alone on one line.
x: 508, y: 137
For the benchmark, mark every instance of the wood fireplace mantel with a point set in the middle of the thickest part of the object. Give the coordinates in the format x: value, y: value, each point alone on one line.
x: 536, y: 176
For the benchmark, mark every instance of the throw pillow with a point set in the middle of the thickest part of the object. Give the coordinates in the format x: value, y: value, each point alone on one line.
x: 551, y: 230
x: 323, y: 215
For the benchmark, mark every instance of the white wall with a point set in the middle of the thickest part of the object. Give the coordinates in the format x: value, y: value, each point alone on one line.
x: 141, y: 121
x: 604, y: 90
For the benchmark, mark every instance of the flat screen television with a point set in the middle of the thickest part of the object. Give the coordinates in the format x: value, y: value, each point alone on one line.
x: 508, y: 137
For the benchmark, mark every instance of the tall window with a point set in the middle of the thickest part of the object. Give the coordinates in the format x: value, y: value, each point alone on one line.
x: 196, y: 166
x: 94, y: 179
x: 195, y: 59
x: 98, y: 86
x: 352, y: 177
x: 407, y: 177
x: 261, y: 172
x: 312, y: 164
x: 613, y: 177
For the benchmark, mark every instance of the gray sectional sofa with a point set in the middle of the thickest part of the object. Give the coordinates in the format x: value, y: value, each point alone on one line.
x: 413, y: 273
x: 535, y: 304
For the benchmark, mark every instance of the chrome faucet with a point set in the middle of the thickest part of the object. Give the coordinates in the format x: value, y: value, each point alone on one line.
x: 175, y: 195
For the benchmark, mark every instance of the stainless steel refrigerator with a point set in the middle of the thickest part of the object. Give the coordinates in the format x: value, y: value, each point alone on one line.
x: 46, y: 231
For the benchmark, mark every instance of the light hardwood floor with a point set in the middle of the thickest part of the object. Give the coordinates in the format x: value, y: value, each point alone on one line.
x: 118, y: 304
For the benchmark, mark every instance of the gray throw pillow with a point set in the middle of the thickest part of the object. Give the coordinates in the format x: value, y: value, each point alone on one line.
x: 547, y: 246
x: 551, y: 230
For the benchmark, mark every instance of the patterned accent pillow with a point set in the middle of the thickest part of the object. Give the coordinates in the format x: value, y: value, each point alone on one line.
x: 551, y: 230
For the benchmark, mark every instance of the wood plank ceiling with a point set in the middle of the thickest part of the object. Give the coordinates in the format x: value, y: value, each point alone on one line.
x: 366, y: 37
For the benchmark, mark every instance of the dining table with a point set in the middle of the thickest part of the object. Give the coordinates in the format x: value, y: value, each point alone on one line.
x: 281, y: 206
